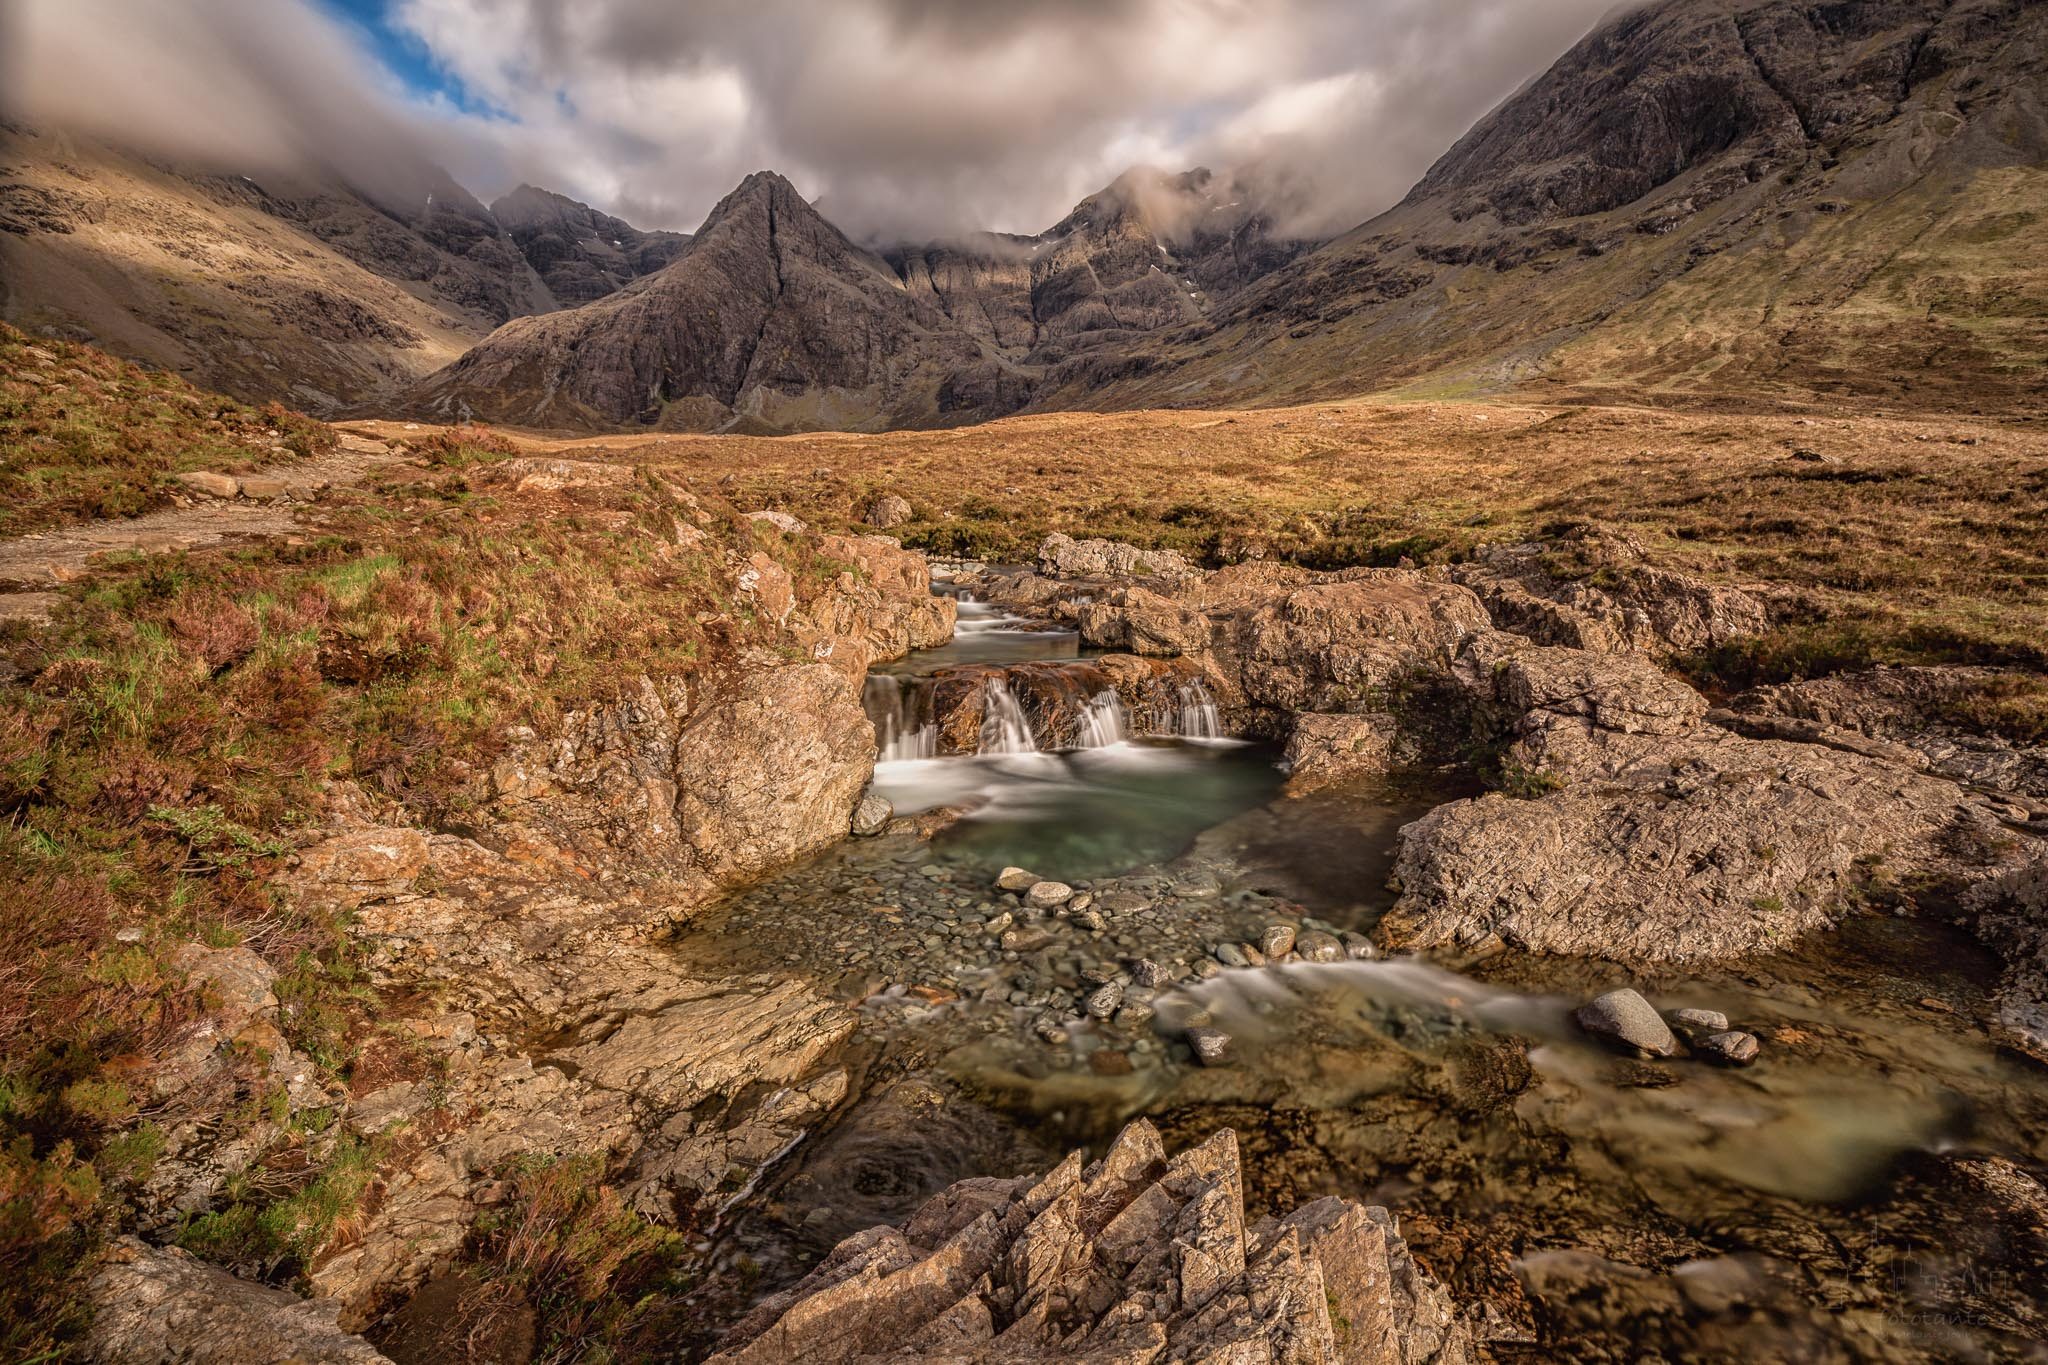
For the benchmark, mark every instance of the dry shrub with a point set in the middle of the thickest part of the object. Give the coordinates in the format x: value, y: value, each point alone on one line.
x: 572, y: 1251
x: 53, y: 920
x: 215, y: 629
x: 454, y: 447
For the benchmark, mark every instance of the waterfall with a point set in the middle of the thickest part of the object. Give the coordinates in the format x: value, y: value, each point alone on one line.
x: 1197, y: 718
x: 1005, y: 729
x: 1103, y: 722
x: 899, y: 709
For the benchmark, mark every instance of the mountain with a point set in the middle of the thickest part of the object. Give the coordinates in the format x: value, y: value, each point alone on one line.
x: 769, y: 319
x: 579, y: 253
x: 282, y: 286
x: 1154, y: 249
x: 1705, y: 200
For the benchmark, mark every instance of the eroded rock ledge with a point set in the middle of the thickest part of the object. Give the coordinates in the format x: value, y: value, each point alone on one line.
x: 1132, y: 1259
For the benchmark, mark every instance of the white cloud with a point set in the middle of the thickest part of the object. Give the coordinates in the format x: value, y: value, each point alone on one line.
x: 904, y: 116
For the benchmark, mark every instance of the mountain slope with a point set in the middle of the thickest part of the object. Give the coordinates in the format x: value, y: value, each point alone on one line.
x: 1706, y: 199
x: 1151, y: 250
x: 579, y: 253
x: 770, y: 318
x: 298, y: 287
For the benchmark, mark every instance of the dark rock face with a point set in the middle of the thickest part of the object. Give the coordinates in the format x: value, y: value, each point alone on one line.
x: 579, y: 253
x: 769, y: 318
x: 1651, y: 174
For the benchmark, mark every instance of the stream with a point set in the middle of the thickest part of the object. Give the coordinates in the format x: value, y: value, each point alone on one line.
x: 1841, y: 1199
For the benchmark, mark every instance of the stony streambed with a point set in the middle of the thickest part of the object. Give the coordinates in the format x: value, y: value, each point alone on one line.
x: 1844, y: 1197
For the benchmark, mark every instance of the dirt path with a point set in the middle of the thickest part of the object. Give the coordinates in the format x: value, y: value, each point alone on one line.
x: 32, y: 566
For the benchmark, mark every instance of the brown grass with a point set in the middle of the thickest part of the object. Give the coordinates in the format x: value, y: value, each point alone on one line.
x: 1928, y: 537
x: 84, y: 435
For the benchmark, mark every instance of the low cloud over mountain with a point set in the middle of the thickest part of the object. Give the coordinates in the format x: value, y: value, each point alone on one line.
x: 902, y: 117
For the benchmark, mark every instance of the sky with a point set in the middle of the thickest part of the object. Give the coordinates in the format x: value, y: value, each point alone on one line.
x: 901, y: 118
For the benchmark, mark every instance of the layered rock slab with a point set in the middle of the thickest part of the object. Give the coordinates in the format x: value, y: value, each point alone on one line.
x: 1654, y: 837
x: 1135, y: 1258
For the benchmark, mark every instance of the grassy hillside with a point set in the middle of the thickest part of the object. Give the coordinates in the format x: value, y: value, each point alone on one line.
x: 85, y: 435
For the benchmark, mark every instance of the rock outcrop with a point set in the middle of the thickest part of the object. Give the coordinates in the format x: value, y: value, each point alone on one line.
x: 1654, y: 837
x: 2011, y: 914
x: 1908, y: 716
x: 1132, y: 1258
x: 1594, y: 591
x: 164, y: 1307
x: 1273, y: 641
x: 1061, y: 556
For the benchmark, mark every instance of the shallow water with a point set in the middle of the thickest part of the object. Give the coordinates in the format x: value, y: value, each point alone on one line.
x: 1806, y: 1207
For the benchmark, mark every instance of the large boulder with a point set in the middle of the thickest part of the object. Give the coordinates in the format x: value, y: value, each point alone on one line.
x: 1327, y: 751
x: 1657, y: 848
x: 1061, y: 556
x: 154, y: 1306
x: 770, y: 769
x: 1133, y: 1258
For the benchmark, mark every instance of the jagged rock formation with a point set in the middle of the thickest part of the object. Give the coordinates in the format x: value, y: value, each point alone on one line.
x: 770, y: 317
x: 1132, y: 1258
x: 1152, y: 250
x: 579, y: 253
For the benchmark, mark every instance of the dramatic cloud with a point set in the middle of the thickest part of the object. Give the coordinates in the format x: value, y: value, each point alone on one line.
x: 903, y: 117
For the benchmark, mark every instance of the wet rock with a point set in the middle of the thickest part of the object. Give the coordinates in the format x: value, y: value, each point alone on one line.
x: 211, y: 484
x: 1048, y: 895
x: 1025, y: 939
x: 886, y: 512
x: 1329, y: 750
x: 872, y: 815
x: 1317, y: 946
x: 1729, y: 1048
x: 1135, y: 1014
x: 1061, y: 556
x: 1357, y: 946
x: 1146, y: 972
x: 2010, y: 913
x: 1625, y: 1018
x: 1103, y: 1001
x: 1690, y: 1023
x: 1231, y: 955
x: 1017, y: 879
x: 1277, y: 941
x: 1091, y: 920
x: 1135, y: 1258
x: 1211, y: 1046
x: 153, y: 1306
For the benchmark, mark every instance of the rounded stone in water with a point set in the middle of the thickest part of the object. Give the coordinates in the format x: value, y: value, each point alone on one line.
x: 1624, y: 1017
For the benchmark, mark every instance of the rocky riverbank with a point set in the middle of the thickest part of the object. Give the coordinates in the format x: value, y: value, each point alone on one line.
x: 647, y: 939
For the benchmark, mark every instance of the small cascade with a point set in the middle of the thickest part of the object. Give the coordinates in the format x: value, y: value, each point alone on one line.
x: 1197, y: 718
x: 900, y: 709
x: 1104, y: 721
x: 1005, y: 729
